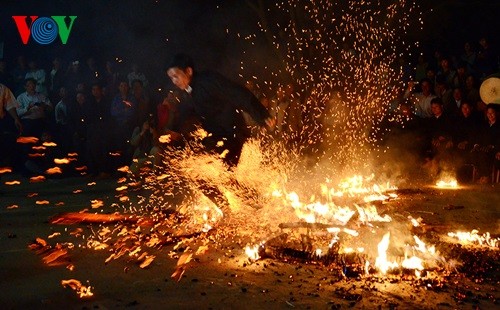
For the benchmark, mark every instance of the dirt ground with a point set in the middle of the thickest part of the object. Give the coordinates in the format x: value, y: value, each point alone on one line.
x: 223, y: 278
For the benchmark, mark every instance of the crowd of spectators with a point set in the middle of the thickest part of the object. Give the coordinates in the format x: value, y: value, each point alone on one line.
x: 446, y: 123
x: 85, y: 109
x: 112, y: 117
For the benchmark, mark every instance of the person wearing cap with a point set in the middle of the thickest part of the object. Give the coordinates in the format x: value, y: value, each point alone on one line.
x: 217, y: 101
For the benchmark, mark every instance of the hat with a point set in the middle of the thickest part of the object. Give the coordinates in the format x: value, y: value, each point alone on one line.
x: 490, y: 90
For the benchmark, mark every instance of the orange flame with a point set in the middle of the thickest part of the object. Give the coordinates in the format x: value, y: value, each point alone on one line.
x: 81, y: 290
x: 97, y: 203
x: 37, y: 179
x: 5, y: 170
x: 61, y: 161
x: 123, y: 169
x: 381, y: 261
x: 53, y: 170
x: 12, y: 182
x: 26, y: 140
x: 165, y: 139
x: 449, y: 183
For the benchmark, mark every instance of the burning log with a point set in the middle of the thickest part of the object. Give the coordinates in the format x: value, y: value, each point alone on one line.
x: 89, y: 218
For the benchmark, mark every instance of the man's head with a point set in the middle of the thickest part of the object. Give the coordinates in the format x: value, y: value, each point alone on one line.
x: 137, y: 87
x: 123, y: 88
x: 80, y: 98
x: 30, y: 85
x: 445, y: 63
x: 491, y: 113
x: 437, y: 107
x: 180, y: 70
x: 426, y: 86
x: 63, y: 93
x: 97, y: 90
x: 466, y: 109
x: 457, y: 94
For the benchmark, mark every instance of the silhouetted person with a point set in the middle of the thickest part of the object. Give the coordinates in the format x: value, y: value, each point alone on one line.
x: 216, y: 100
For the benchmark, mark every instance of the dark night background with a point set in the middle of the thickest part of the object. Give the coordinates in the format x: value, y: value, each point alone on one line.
x: 149, y: 32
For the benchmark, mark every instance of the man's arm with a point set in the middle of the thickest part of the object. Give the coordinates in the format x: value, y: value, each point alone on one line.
x: 17, y: 121
x: 243, y: 99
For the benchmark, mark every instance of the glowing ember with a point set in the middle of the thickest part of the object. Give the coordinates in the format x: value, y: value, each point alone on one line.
x: 81, y: 290
x: 5, y: 170
x: 54, y: 235
x: 73, y: 218
x: 12, y: 182
x: 37, y: 179
x: 61, y: 161
x: 54, y: 170
x: 165, y: 139
x: 474, y: 237
x: 147, y: 261
x: 181, y: 266
x: 453, y: 184
x: 97, y: 204
x: 123, y: 169
x: 26, y: 140
x: 252, y: 252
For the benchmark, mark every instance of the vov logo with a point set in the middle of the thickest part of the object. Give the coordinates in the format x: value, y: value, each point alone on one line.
x: 44, y: 30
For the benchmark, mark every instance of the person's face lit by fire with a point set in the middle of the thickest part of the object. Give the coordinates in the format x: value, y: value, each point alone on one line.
x: 180, y: 78
x: 466, y: 109
x: 491, y: 114
x: 436, y: 109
